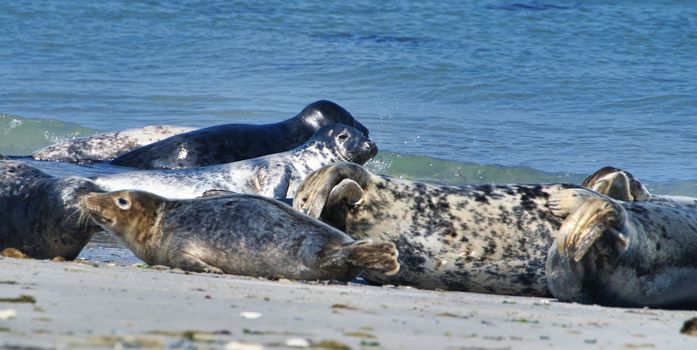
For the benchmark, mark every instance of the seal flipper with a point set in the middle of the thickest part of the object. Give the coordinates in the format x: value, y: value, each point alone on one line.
x: 617, y: 184
x: 363, y: 255
x: 188, y: 262
x: 315, y: 191
x: 589, y: 216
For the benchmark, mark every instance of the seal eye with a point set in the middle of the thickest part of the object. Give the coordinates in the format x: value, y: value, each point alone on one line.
x: 343, y: 136
x: 123, y: 203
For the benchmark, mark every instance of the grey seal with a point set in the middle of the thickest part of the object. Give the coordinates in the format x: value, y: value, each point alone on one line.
x: 106, y: 146
x: 277, y: 175
x: 39, y: 213
x: 483, y: 238
x: 234, y: 142
x: 621, y: 253
x: 236, y: 234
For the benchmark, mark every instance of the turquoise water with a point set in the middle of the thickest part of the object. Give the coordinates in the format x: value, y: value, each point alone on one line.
x: 454, y: 91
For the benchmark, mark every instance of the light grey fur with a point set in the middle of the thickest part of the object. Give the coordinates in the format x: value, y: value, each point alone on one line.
x: 277, y: 175
x: 108, y: 145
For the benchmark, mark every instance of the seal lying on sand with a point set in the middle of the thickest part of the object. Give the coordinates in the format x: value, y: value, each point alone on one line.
x: 609, y: 252
x: 234, y: 142
x: 276, y: 175
x: 236, y: 234
x: 484, y: 238
x: 39, y: 213
x: 106, y: 146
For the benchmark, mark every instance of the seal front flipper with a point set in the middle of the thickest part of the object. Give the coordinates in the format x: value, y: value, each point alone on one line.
x: 317, y: 188
x: 617, y: 184
x: 362, y: 255
x: 189, y: 262
x: 589, y: 216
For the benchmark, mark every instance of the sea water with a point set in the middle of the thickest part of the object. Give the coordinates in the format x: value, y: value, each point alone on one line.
x: 452, y: 91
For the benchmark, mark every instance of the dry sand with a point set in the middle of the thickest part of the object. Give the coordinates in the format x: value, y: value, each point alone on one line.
x: 99, y: 305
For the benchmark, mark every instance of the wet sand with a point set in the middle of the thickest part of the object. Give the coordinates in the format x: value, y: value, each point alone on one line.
x: 100, y: 305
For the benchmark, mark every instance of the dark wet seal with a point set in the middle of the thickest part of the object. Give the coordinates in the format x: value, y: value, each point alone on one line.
x: 40, y: 216
x: 276, y: 175
x: 234, y: 142
x: 236, y: 234
x: 620, y: 253
x: 484, y: 238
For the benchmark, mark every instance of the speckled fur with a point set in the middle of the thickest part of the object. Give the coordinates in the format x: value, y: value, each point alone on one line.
x: 277, y: 175
x: 641, y: 253
x: 234, y: 142
x: 485, y: 238
x: 236, y: 234
x: 39, y: 214
x: 106, y: 146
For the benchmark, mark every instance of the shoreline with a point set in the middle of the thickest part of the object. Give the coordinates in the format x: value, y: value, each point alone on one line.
x: 99, y: 305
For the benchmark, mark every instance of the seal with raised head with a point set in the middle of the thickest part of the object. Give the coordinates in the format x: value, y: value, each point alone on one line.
x: 620, y: 253
x: 39, y: 214
x: 106, y: 146
x: 277, y: 175
x: 236, y: 234
x: 479, y: 238
x: 234, y: 142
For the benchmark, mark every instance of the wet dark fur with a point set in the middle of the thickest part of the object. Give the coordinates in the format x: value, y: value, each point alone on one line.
x: 233, y: 142
x: 39, y: 214
x: 485, y: 238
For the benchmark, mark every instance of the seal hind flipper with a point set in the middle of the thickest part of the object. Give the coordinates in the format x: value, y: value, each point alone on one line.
x: 317, y: 188
x: 617, y: 184
x: 347, y: 191
x: 589, y: 216
x: 364, y: 255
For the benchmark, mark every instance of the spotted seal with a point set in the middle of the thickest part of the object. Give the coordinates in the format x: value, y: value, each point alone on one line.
x: 622, y: 253
x: 39, y: 213
x: 236, y: 234
x: 277, y: 175
x: 106, y: 146
x: 479, y: 238
x: 234, y: 142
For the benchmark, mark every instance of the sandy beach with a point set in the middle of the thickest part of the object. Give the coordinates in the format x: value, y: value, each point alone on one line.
x: 75, y: 305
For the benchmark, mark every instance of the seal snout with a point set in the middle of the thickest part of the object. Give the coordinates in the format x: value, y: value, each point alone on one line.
x: 92, y: 205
